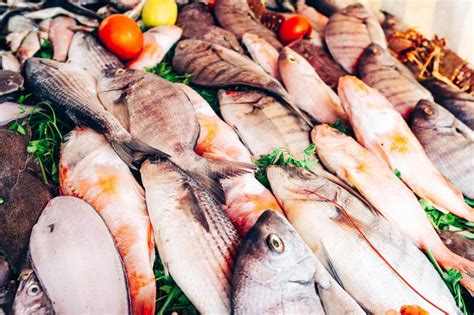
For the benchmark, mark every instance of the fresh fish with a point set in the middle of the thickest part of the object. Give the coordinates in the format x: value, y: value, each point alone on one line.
x: 264, y: 54
x: 213, y: 65
x: 237, y: 17
x: 86, y: 52
x: 73, y: 91
x: 49, y: 13
x: 328, y: 70
x: 274, y: 272
x: 30, y: 297
x: 368, y: 174
x: 384, y: 132
x: 60, y: 35
x: 448, y: 142
x: 9, y: 62
x: 318, y: 21
x: 157, y: 41
x: 189, y: 226
x: 245, y: 197
x: 19, y: 23
x: 30, y: 45
x: 194, y: 12
x: 10, y: 81
x: 349, y: 32
x: 15, y: 39
x: 377, y: 68
x: 10, y: 111
x: 72, y: 7
x: 459, y: 103
x: 263, y: 123
x: 459, y: 244
x: 153, y: 102
x: 125, y: 4
x: 334, y: 222
x: 90, y: 169
x: 311, y: 94
x: 72, y: 251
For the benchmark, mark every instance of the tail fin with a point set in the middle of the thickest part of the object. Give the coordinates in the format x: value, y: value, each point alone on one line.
x: 133, y: 152
x: 449, y: 260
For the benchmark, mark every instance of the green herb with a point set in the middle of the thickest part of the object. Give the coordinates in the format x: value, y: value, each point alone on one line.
x: 469, y: 201
x: 397, y: 173
x: 339, y: 126
x: 2, y: 200
x: 46, y: 50
x: 284, y: 157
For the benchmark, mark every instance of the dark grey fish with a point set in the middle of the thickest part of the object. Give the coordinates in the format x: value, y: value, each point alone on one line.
x: 214, y: 66
x: 212, y: 34
x: 448, y: 142
x: 459, y: 103
x: 10, y: 81
x: 71, y: 7
x: 86, y: 52
x: 73, y: 91
x: 194, y: 12
x: 458, y: 244
x: 275, y: 271
x: 237, y: 17
x: 326, y: 67
x: 349, y: 32
x: 30, y: 297
x: 379, y: 69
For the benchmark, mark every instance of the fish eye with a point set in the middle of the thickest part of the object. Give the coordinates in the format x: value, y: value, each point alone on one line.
x: 33, y: 290
x: 291, y: 58
x: 275, y: 243
x: 428, y: 111
x: 120, y: 71
x: 183, y: 45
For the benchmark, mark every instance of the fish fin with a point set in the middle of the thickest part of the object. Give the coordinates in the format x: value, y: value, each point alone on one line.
x: 195, y: 206
x: 311, y: 122
x: 330, y: 266
x: 134, y: 151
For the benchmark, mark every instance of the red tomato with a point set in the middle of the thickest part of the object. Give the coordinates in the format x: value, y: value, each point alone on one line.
x: 211, y: 4
x: 294, y: 28
x: 121, y: 35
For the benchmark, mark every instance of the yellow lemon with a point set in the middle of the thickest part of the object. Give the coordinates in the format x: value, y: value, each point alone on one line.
x: 159, y: 12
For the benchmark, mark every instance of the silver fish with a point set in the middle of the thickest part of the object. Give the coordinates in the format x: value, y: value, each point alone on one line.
x: 30, y: 297
x: 52, y: 12
x: 9, y: 61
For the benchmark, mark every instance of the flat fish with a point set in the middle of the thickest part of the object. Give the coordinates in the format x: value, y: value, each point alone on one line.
x: 349, y: 32
x: 180, y: 208
x: 378, y: 69
x: 448, y: 142
x: 73, y: 90
x: 264, y: 54
x: 237, y: 17
x: 327, y: 68
x: 60, y: 35
x: 459, y: 103
x: 91, y: 170
x: 332, y: 221
x: 72, y: 251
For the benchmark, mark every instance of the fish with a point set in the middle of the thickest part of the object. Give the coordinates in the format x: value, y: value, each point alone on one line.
x: 310, y: 93
x: 384, y: 132
x: 329, y: 7
x: 327, y: 68
x: 349, y: 32
x: 30, y: 45
x: 194, y: 12
x: 71, y: 7
x: 264, y: 54
x: 212, y: 65
x: 73, y: 90
x: 30, y: 297
x: 157, y: 41
x: 90, y: 169
x: 51, y: 12
x: 245, y: 197
x: 180, y: 208
x: 334, y: 223
x: 318, y: 21
x: 10, y: 111
x: 237, y: 17
x: 15, y: 39
x: 71, y: 237
x: 9, y: 62
x: 18, y: 23
x: 373, y: 179
x: 86, y: 52
x: 459, y: 244
x: 378, y: 69
x: 263, y: 123
x: 61, y: 35
x: 459, y: 103
x: 448, y: 142
x: 153, y: 102
x: 10, y: 81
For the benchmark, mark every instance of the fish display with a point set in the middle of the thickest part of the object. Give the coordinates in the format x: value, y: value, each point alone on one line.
x: 70, y: 236
x: 264, y: 54
x: 91, y: 170
x: 30, y: 297
x: 384, y: 132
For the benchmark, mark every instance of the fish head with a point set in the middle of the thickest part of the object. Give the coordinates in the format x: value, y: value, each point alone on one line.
x: 374, y: 53
x: 191, y: 46
x: 293, y: 66
x: 429, y: 115
x: 118, y: 79
x: 30, y: 297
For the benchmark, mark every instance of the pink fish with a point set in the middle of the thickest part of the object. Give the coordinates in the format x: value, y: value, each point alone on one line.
x: 60, y: 35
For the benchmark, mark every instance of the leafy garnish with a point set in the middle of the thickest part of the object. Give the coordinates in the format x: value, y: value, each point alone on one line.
x: 285, y: 158
x: 469, y: 201
x: 397, y: 173
x: 339, y: 125
x: 46, y: 50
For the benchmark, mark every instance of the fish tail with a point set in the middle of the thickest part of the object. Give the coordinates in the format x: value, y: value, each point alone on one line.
x: 450, y: 260
x: 133, y: 151
x: 144, y: 301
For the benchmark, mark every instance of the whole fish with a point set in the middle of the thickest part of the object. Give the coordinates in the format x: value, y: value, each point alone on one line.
x: 349, y: 32
x: 72, y: 251
x: 459, y: 103
x: 153, y: 102
x: 90, y: 169
x: 189, y: 226
x: 61, y: 35
x: 263, y: 123
x: 194, y: 12
x: 448, y: 142
x: 384, y: 132
x: 237, y: 17
x: 157, y: 41
x: 10, y: 81
x: 378, y: 69
x: 275, y: 270
x: 86, y: 52
x: 308, y: 90
x: 29, y: 46
x: 368, y: 174
x: 30, y: 297
x: 213, y: 65
x: 10, y: 111
x: 327, y: 69
x: 264, y: 54
x: 333, y: 222
x: 73, y: 91
x: 459, y: 244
